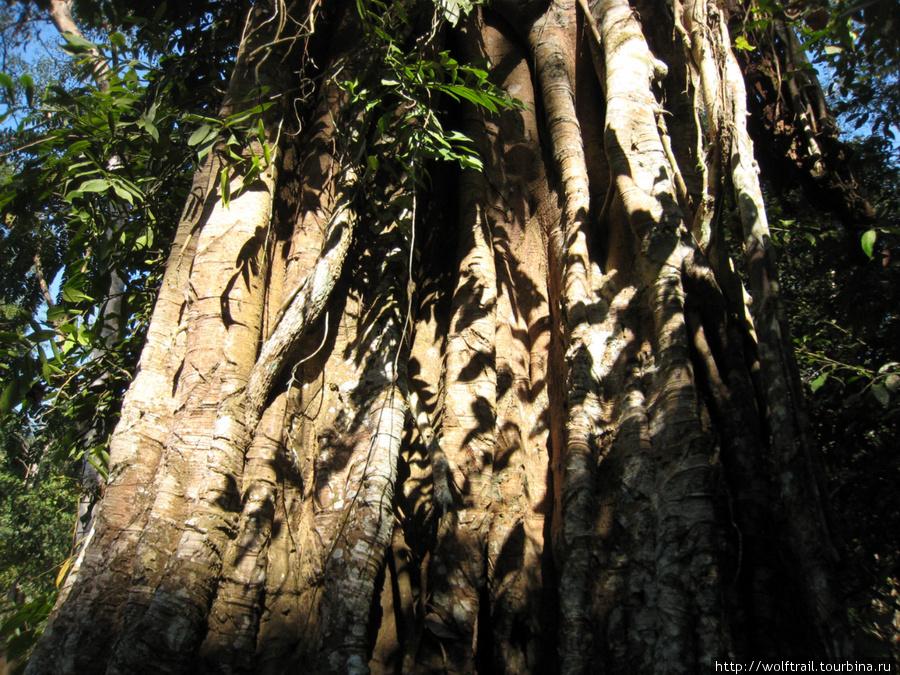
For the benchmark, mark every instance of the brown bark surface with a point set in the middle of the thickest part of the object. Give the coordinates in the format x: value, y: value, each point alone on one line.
x: 524, y: 419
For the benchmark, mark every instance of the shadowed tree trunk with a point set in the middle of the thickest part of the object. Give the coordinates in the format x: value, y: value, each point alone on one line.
x: 522, y: 419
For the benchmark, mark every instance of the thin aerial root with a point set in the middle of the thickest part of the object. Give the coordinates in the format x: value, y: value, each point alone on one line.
x: 303, y: 307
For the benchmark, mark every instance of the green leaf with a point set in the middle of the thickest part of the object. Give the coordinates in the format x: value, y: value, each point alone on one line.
x: 473, y: 95
x: 10, y: 398
x: 28, y: 83
x: 41, y: 335
x: 83, y: 337
x: 48, y: 370
x: 401, y: 12
x: 77, y: 147
x: 817, y: 383
x: 124, y: 194
x: 77, y: 44
x: 882, y: 395
x: 205, y: 149
x: 147, y: 125
x: 7, y: 82
x: 200, y: 135
x: 160, y: 12
x: 56, y: 314
x: 145, y: 240
x: 226, y: 186
x: 868, y: 242
x: 100, y: 461
x: 740, y: 42
x: 470, y: 162
x: 72, y: 294
x: 95, y: 185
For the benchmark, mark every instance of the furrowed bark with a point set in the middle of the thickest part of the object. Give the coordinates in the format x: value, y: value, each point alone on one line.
x: 518, y: 617
x: 692, y: 20
x: 350, y: 522
x: 135, y: 450
x: 226, y: 304
x: 359, y: 545
x: 551, y: 41
x: 305, y: 305
x: 458, y: 566
x: 215, y: 455
x: 234, y: 616
x: 677, y: 619
x: 138, y: 446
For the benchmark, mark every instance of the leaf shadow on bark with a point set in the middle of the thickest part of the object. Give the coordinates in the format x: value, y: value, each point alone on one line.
x: 246, y: 265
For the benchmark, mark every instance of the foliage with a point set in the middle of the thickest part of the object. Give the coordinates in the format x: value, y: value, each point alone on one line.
x: 94, y: 178
x: 234, y: 139
x: 847, y: 337
x: 855, y: 42
x: 848, y: 334
x: 94, y: 184
x: 97, y: 175
x: 36, y: 511
x: 106, y: 213
x: 397, y: 101
x: 865, y: 58
x: 37, y: 500
x: 21, y: 626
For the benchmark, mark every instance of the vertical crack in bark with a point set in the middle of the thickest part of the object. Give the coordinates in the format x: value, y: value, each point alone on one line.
x: 303, y: 306
x: 551, y: 38
x: 356, y: 470
x: 677, y: 614
x: 363, y: 534
x: 753, y: 576
x: 457, y: 571
x: 235, y: 613
x: 141, y: 555
x: 705, y: 69
x: 513, y: 630
x: 212, y: 462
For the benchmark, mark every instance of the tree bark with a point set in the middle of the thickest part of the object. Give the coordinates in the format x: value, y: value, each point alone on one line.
x: 522, y: 419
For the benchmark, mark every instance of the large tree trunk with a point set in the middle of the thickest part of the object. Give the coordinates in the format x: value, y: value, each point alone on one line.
x: 528, y: 419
